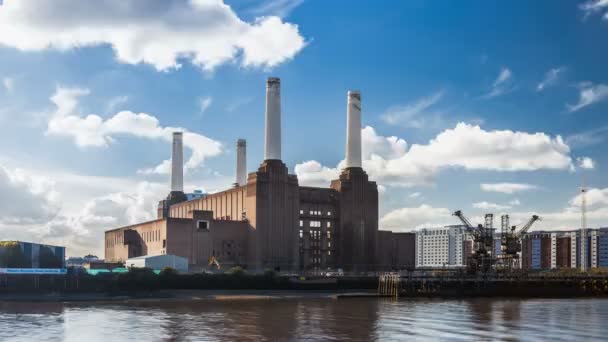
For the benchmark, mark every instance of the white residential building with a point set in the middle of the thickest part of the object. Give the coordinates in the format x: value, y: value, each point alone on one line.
x: 441, y: 247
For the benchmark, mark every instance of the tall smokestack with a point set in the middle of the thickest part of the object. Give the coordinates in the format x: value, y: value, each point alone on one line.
x: 353, y: 129
x: 241, y: 162
x: 177, y: 163
x: 272, y: 147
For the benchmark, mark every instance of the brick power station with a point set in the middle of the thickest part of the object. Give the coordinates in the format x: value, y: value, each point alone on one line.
x: 267, y: 220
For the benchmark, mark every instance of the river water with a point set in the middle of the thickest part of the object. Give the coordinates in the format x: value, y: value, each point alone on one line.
x: 356, y: 319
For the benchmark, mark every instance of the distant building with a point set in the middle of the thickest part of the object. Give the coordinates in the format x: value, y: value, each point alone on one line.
x: 266, y: 220
x: 158, y: 262
x: 19, y: 254
x: 444, y: 246
x: 396, y: 250
x: 81, y: 262
x: 562, y: 249
x: 196, y: 194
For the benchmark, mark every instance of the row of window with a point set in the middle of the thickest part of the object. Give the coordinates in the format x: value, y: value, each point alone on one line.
x: 315, y: 224
x: 315, y: 234
x: 315, y: 212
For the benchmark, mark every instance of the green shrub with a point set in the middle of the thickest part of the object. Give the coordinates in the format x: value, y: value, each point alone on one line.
x: 236, y: 271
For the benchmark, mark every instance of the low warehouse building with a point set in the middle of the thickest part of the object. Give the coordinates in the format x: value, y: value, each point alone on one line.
x: 158, y: 262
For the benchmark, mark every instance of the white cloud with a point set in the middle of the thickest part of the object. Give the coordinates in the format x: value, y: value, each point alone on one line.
x: 507, y: 188
x: 490, y: 206
x: 8, y: 83
x: 465, y: 146
x: 563, y: 219
x: 279, y: 8
x: 414, y: 115
x: 406, y: 219
x: 25, y: 199
x: 514, y: 203
x: 312, y: 173
x: 204, y: 103
x: 594, y: 6
x: 82, y: 231
x: 502, y: 84
x: 587, y: 138
x: 585, y: 163
x: 551, y: 78
x: 589, y: 94
x: 161, y: 33
x: 93, y: 131
x: 116, y: 102
x: 237, y: 103
x: 415, y: 195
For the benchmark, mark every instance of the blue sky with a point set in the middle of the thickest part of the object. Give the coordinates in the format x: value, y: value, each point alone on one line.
x: 530, y: 74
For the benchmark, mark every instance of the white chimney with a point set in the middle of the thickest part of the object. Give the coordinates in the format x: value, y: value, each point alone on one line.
x: 272, y: 147
x: 177, y: 163
x: 241, y: 162
x: 353, y: 129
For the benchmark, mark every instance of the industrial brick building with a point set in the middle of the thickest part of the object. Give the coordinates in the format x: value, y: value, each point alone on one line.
x: 267, y: 220
x: 564, y: 249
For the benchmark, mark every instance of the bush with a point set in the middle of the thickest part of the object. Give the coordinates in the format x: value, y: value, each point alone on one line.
x: 168, y: 271
x: 236, y: 271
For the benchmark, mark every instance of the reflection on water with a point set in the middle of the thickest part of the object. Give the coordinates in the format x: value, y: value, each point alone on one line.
x: 360, y: 319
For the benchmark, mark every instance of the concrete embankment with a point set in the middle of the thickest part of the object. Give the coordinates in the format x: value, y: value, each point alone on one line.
x: 182, y: 295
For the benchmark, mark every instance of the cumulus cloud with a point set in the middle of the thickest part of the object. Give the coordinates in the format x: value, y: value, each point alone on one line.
x: 204, y: 103
x: 502, y: 84
x: 414, y: 115
x: 490, y: 206
x: 424, y: 216
x: 585, y: 163
x: 507, y: 188
x: 588, y: 95
x: 161, y: 33
x: 567, y: 218
x: 312, y: 173
x: 551, y: 78
x: 82, y: 231
x: 25, y: 199
x: 465, y: 146
x: 93, y: 131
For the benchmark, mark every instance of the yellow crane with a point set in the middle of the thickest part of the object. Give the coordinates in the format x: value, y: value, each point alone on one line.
x: 214, y: 262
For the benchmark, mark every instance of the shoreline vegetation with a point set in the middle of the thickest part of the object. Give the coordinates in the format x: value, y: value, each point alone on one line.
x: 236, y: 284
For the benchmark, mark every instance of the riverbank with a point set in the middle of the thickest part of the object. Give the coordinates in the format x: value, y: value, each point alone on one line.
x: 181, y: 295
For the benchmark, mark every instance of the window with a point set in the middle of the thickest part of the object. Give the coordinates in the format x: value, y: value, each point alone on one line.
x: 328, y: 234
x: 301, y: 211
x: 328, y: 224
x: 312, y: 212
x: 202, y: 225
x: 301, y: 223
x: 301, y: 233
x: 329, y: 213
x: 164, y: 243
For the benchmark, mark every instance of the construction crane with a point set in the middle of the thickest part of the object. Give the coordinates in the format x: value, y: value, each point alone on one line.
x: 481, y: 260
x: 214, y: 262
x: 511, y: 240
